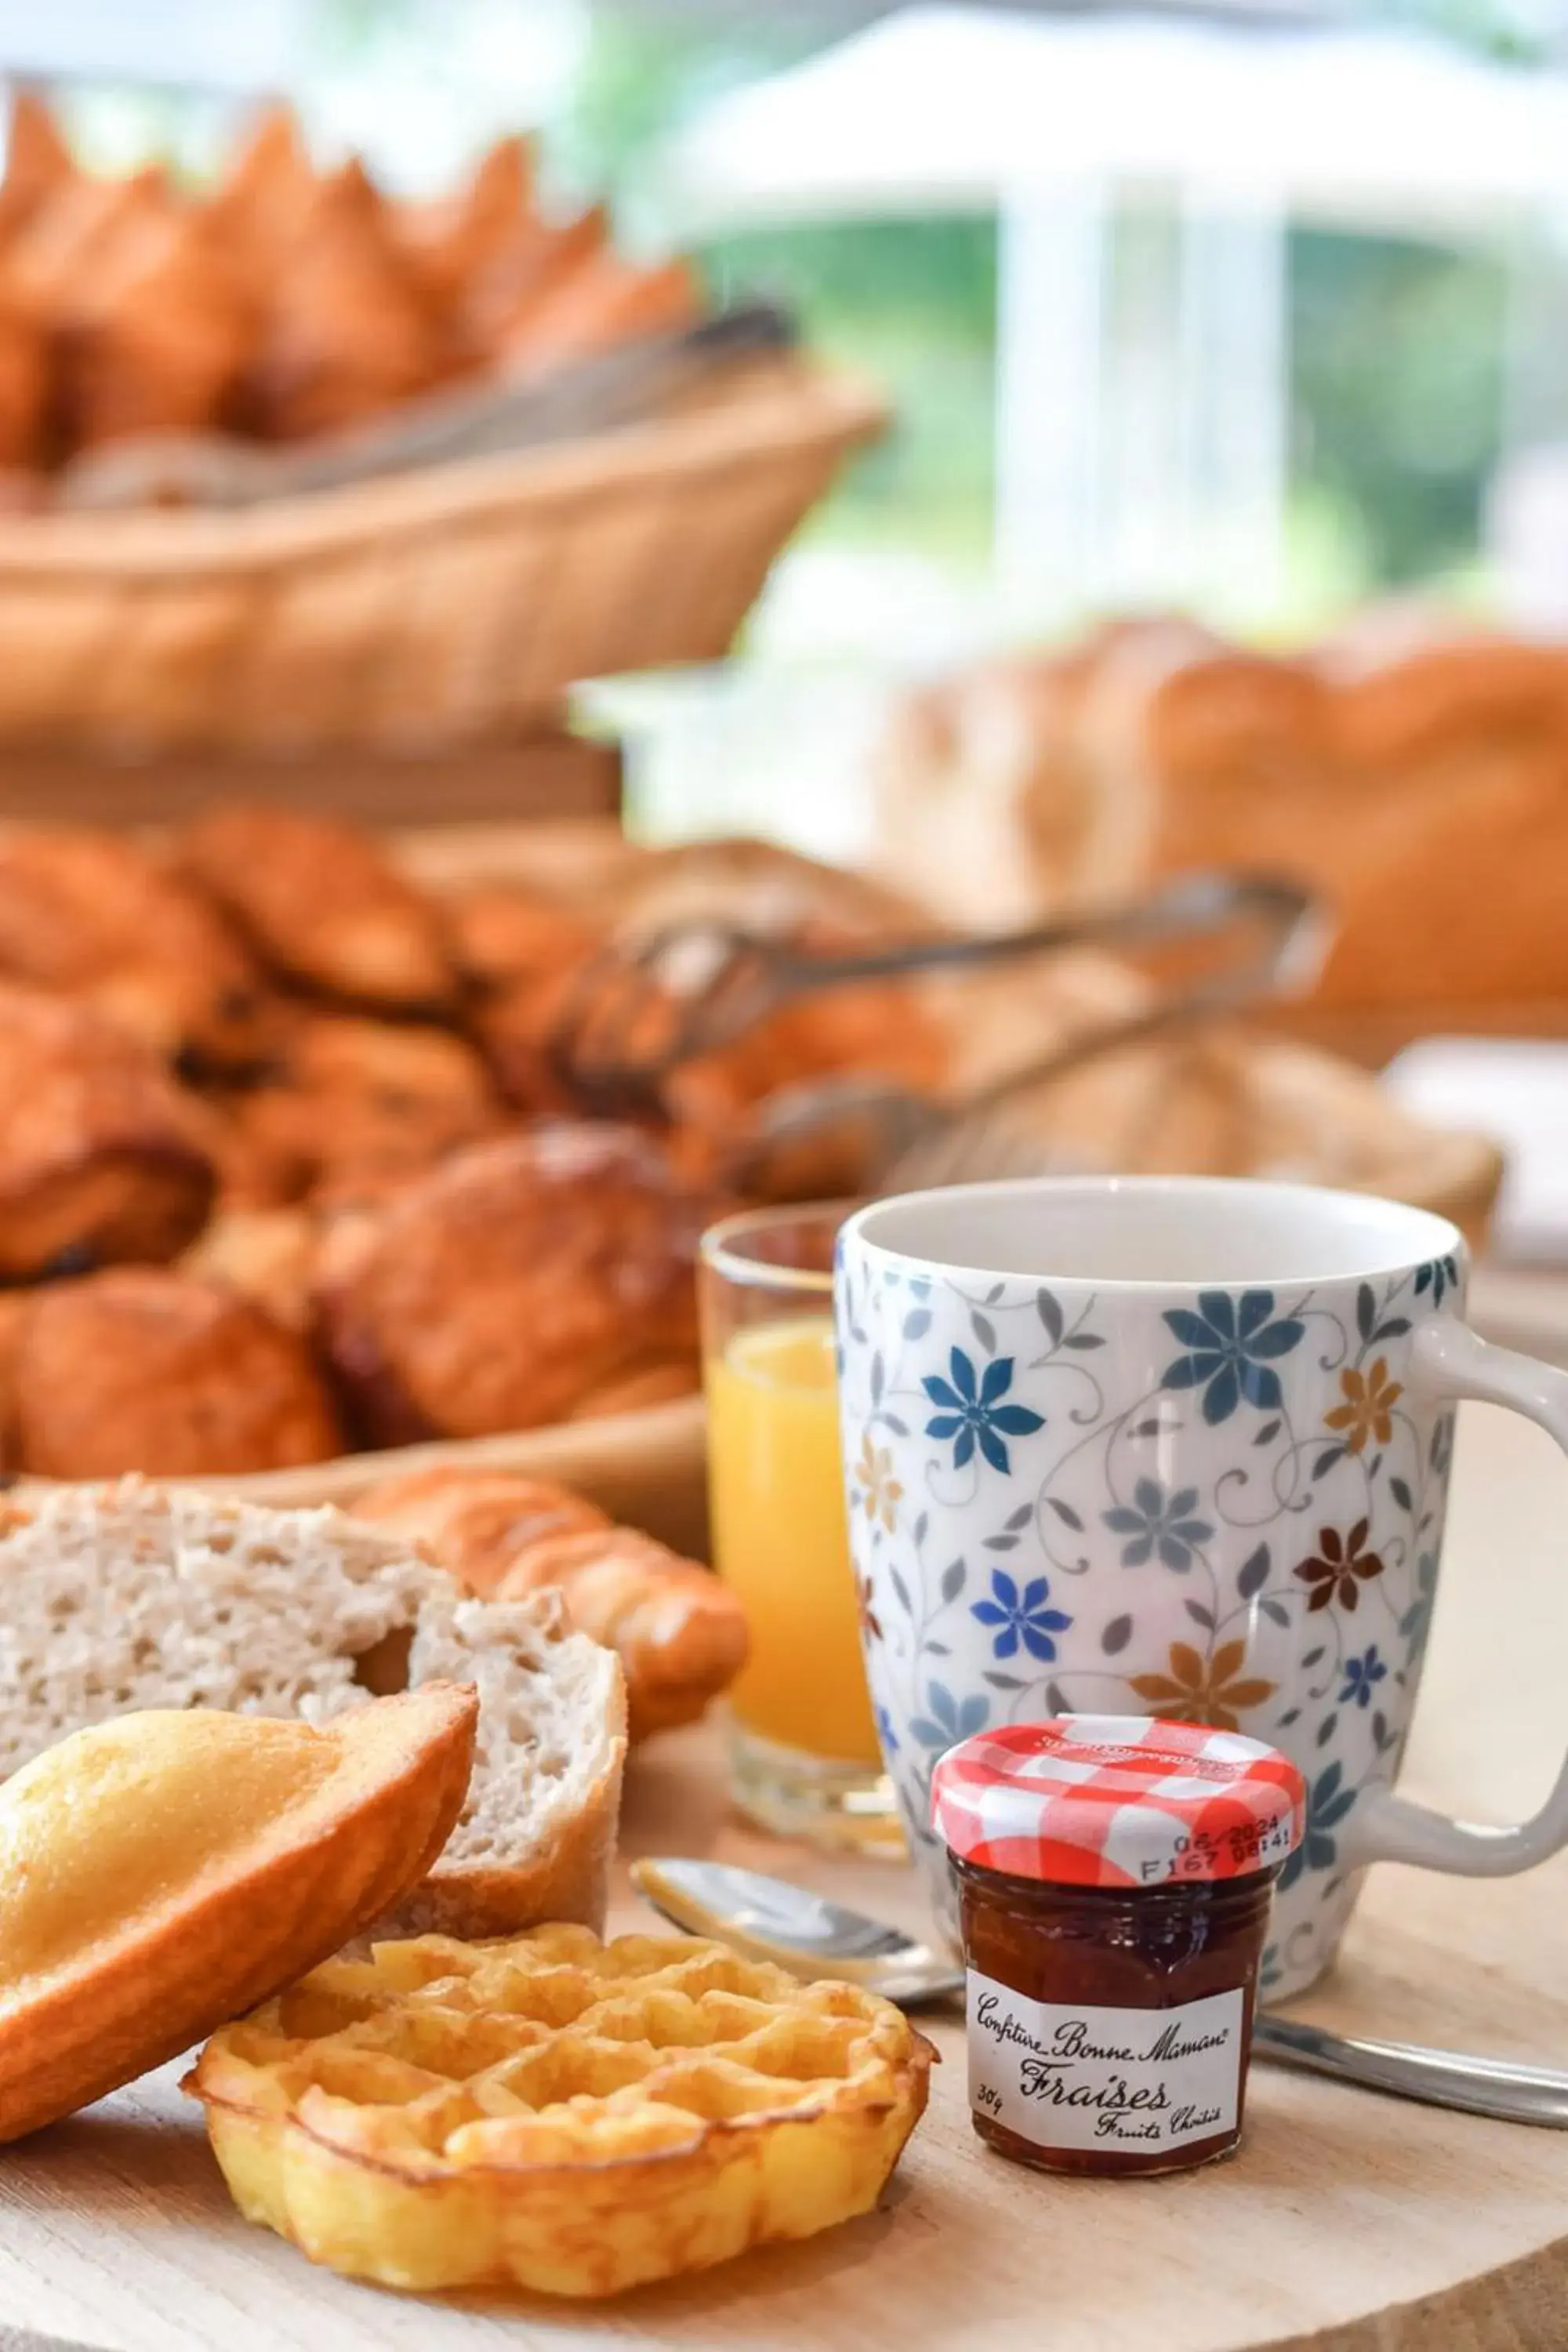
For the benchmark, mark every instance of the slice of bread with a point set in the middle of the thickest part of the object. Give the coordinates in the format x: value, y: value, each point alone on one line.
x: 131, y: 1596
x: 166, y: 1871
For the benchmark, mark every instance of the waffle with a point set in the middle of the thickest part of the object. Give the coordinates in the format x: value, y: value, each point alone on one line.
x: 554, y: 2113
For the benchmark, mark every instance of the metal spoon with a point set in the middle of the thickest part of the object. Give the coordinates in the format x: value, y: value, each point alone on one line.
x: 769, y: 1919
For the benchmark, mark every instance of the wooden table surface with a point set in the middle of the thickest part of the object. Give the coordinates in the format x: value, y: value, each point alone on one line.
x: 1348, y: 2223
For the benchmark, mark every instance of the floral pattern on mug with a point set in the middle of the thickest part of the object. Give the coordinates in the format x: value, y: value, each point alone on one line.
x: 975, y: 1415
x: 880, y: 1493
x: 1368, y: 1408
x: 1201, y: 1543
x: 1158, y: 1525
x: 1334, y: 1572
x: 1199, y: 1689
x: 1020, y: 1617
x: 1231, y: 1350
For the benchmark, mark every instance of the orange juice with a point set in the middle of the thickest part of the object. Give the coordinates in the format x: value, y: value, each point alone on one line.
x: 781, y: 1538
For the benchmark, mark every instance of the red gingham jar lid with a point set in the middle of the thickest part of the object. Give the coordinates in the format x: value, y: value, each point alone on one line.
x: 1117, y: 1800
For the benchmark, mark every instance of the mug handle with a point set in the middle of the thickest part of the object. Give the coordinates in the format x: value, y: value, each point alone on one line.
x: 1450, y: 1362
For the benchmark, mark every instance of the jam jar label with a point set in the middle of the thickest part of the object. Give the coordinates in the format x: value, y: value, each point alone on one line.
x: 1138, y: 2081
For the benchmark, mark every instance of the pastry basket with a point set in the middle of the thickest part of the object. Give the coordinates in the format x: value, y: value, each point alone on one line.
x: 448, y: 605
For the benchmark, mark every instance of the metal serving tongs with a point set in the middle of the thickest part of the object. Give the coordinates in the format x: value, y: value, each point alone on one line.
x: 638, y: 1013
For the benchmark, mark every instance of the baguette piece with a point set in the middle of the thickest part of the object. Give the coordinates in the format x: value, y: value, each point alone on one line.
x: 170, y: 1869
x: 681, y: 1634
x: 131, y: 1596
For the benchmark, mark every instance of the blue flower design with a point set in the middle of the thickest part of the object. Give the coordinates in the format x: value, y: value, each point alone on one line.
x: 974, y: 1414
x: 1021, y: 1616
x: 885, y: 1732
x: 1230, y: 1344
x: 1157, y: 1522
x: 947, y: 1719
x: 1361, y: 1676
x: 1438, y: 1275
x: 1327, y: 1805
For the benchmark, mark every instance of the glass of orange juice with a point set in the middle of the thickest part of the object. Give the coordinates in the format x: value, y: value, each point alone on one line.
x: 804, y: 1752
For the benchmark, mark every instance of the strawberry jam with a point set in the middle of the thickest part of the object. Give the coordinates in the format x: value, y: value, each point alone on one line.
x: 1114, y: 1877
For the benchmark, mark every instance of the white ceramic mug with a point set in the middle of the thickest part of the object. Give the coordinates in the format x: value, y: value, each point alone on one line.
x: 1175, y: 1448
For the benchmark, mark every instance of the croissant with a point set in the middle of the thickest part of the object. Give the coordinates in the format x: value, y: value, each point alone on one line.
x: 24, y: 384
x: 607, y: 302
x: 452, y: 245
x: 679, y: 1634
x: 37, y: 163
x: 346, y: 332
x: 539, y: 257
x: 154, y: 339
x: 256, y: 204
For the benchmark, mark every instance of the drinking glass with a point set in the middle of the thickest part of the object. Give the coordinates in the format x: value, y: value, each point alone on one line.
x: 805, y: 1756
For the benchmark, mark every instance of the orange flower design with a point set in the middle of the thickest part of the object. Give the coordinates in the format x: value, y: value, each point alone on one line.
x: 881, y: 1491
x: 1205, y: 1690
x: 1370, y: 1400
x: 870, y: 1623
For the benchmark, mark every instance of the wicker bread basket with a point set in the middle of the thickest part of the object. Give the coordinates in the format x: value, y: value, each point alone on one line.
x: 433, y: 608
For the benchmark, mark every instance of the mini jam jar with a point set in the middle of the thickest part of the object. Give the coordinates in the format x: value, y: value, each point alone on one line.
x: 1114, y: 1877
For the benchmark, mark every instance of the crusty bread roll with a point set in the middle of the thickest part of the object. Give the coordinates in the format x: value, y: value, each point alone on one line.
x: 511, y: 1282
x: 1421, y: 791
x: 350, y: 1108
x: 101, y: 1157
x: 133, y: 1597
x: 145, y: 1367
x: 92, y: 915
x: 679, y: 1634
x: 323, y: 903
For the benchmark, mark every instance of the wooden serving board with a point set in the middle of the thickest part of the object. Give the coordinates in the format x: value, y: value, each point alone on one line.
x: 1348, y: 2222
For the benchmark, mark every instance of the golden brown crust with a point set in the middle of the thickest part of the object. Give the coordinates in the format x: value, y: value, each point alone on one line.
x: 568, y: 1880
x: 615, y: 2146
x: 1420, y: 790
x: 263, y: 186
x: 607, y: 300
x: 452, y: 245
x: 524, y: 274
x: 142, y: 1369
x: 13, y: 1304
x: 477, y: 1523
x: 1382, y: 790
x: 495, y: 1292
x: 524, y: 955
x: 502, y: 933
x: 323, y: 903
x: 266, y: 1254
x: 100, y: 1155
x: 679, y: 1634
x: 37, y: 162
x: 24, y: 384
x: 210, y: 1951
x: 151, y: 338
x: 1450, y: 697
x: 345, y: 330
x: 87, y: 913
x: 351, y: 1108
